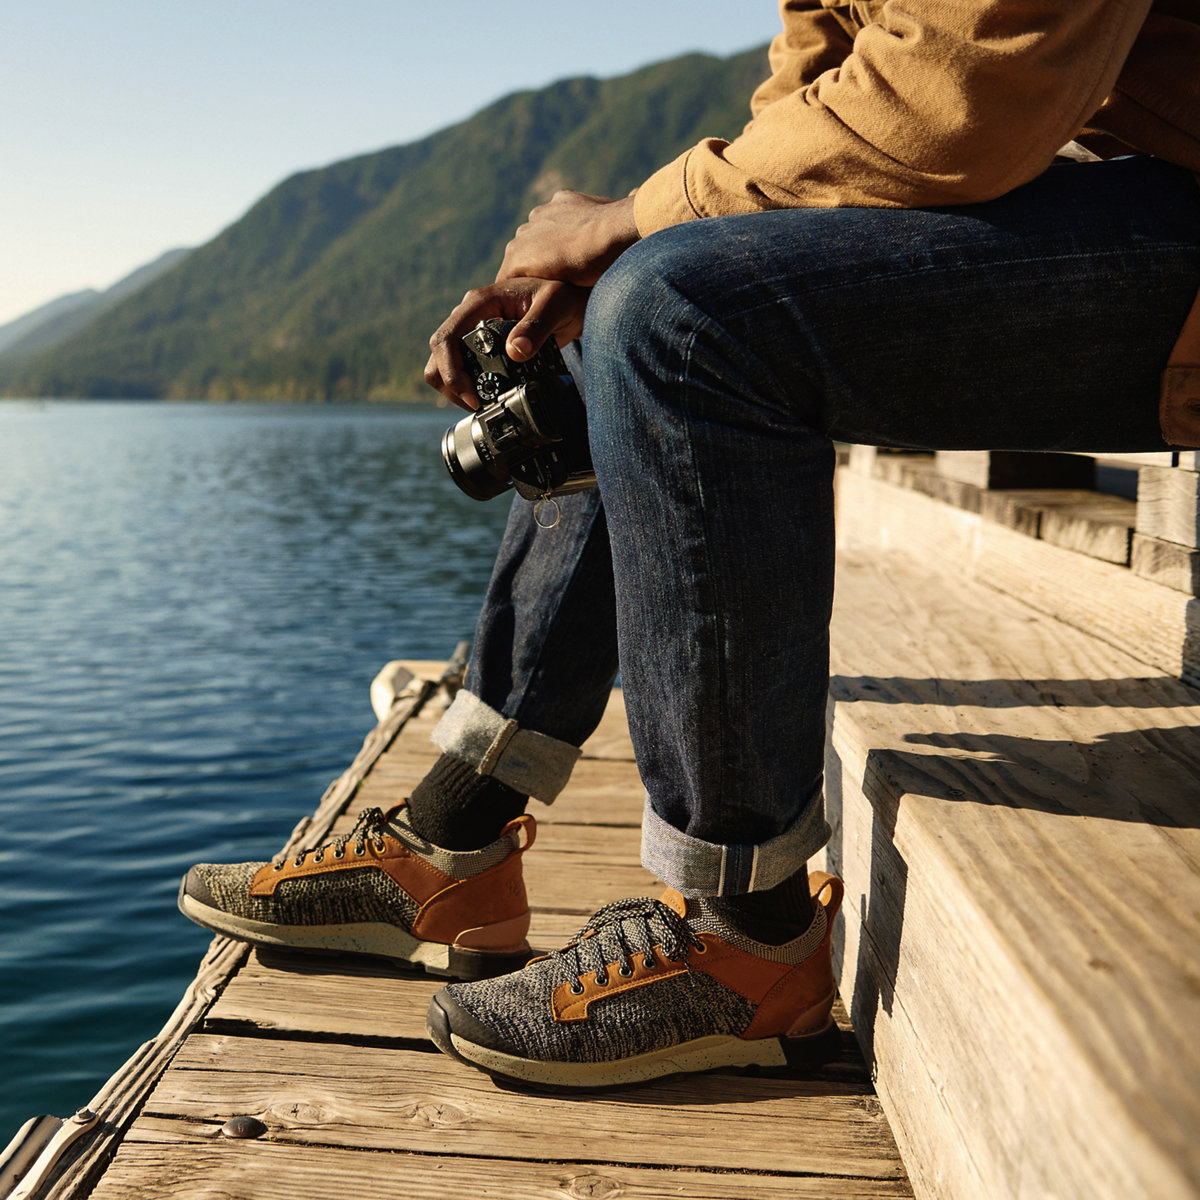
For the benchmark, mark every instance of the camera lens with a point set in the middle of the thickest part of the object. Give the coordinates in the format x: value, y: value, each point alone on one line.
x: 470, y: 461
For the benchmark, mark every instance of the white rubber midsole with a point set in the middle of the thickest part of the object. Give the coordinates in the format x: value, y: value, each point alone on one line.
x: 369, y: 937
x: 701, y: 1054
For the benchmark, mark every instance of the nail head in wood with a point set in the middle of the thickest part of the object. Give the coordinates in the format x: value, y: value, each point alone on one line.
x: 243, y: 1128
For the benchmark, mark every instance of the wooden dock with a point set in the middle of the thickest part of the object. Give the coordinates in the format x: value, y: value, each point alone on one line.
x: 330, y: 1054
x: 1013, y: 783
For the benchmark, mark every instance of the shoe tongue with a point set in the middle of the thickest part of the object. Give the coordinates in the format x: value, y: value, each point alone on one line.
x: 672, y: 899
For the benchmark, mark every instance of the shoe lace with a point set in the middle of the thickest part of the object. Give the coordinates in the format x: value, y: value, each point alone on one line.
x: 370, y: 825
x: 619, y: 931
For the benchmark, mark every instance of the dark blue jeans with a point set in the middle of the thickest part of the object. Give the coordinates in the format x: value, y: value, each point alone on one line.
x: 721, y: 359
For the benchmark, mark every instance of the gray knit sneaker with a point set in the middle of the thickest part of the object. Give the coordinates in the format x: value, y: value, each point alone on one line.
x: 651, y: 988
x: 382, y: 889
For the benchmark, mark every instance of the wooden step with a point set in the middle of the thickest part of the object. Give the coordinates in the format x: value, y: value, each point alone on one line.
x: 1015, y: 805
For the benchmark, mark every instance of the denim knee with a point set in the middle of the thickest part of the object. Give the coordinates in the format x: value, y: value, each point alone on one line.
x: 638, y: 303
x: 697, y: 310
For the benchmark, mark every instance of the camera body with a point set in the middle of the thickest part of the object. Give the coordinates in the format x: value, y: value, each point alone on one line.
x: 531, y: 432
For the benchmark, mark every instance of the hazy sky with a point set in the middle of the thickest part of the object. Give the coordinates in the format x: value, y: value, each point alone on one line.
x: 138, y: 125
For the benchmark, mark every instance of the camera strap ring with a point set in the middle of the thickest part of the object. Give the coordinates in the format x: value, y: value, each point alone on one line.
x: 537, y: 512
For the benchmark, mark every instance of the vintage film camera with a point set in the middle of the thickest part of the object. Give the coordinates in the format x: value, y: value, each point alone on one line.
x: 531, y: 432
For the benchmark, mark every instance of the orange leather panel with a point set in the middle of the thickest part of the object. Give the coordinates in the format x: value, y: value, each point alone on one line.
x: 569, y: 1007
x: 487, y: 899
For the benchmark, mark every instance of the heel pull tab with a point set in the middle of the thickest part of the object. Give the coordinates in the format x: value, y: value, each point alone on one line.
x: 819, y: 882
x: 525, y: 827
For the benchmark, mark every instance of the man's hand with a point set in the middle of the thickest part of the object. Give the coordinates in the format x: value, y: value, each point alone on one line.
x: 575, y: 238
x: 541, y: 308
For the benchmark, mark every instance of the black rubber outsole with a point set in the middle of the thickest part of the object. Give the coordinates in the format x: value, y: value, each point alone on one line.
x: 471, y: 965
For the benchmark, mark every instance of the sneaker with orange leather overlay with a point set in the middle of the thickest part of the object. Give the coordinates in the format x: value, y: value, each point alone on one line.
x: 381, y: 889
x: 651, y: 988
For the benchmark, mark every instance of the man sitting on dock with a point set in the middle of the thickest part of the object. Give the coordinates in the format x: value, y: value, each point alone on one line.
x: 889, y: 254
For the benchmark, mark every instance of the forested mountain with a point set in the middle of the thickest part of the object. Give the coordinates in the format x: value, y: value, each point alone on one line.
x: 329, y: 287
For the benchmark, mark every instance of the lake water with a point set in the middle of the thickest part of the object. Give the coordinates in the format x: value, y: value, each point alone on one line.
x: 193, y: 602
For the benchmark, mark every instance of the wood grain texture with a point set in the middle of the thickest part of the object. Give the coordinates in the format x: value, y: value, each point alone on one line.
x: 1086, y: 522
x: 1167, y: 563
x: 1099, y: 526
x: 1169, y: 505
x: 184, y: 1161
x: 395, y: 1099
x: 1156, y: 624
x: 1016, y: 809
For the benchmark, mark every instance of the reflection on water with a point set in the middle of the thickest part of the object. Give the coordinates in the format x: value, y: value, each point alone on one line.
x: 193, y: 601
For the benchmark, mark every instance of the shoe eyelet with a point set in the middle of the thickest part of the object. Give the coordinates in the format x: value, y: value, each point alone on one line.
x: 649, y: 962
x: 359, y: 853
x: 700, y: 949
x: 339, y: 854
x: 602, y: 979
x: 277, y: 866
x: 625, y: 972
x: 576, y: 988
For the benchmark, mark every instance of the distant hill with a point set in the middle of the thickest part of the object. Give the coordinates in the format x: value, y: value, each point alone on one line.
x: 55, y: 322
x: 51, y: 313
x: 329, y: 287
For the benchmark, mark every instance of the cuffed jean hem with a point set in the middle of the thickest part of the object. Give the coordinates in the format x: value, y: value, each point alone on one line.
x: 697, y: 868
x: 533, y: 763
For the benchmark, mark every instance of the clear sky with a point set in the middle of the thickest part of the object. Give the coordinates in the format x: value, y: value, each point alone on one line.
x: 133, y: 126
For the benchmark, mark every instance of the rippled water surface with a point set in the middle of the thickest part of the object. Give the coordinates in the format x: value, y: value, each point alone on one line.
x: 193, y: 602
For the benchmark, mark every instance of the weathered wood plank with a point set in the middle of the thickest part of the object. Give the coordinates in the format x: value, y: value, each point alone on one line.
x: 1157, y: 625
x: 184, y: 1160
x: 611, y: 738
x: 1086, y: 522
x: 379, y: 1098
x: 1168, y: 505
x: 1008, y: 796
x: 1166, y: 563
x: 1099, y: 526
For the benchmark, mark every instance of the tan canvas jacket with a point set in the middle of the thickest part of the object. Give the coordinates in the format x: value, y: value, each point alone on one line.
x: 914, y: 103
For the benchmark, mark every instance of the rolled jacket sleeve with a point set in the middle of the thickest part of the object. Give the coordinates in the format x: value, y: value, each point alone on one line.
x: 933, y: 102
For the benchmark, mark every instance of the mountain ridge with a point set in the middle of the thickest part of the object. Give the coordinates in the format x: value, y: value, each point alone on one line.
x: 328, y: 287
x: 51, y: 324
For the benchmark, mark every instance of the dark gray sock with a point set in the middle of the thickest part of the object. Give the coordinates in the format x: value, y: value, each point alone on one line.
x: 774, y: 916
x: 458, y: 809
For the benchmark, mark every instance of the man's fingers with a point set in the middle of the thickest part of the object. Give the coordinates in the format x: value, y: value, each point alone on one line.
x: 555, y: 309
x: 433, y: 377
x: 540, y: 307
x: 445, y: 371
